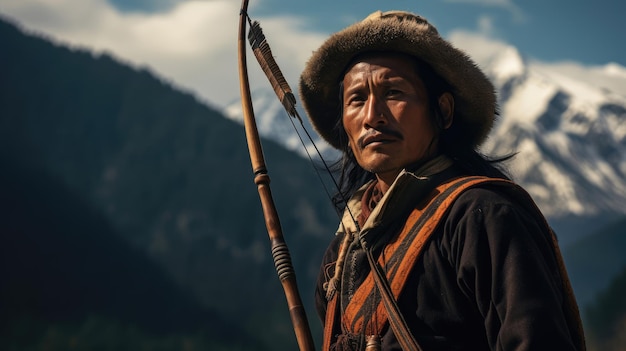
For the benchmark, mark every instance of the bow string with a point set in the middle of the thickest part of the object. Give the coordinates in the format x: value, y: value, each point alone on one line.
x: 280, y: 251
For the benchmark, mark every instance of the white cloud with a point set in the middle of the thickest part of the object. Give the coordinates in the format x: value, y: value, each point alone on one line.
x: 479, y: 46
x: 483, y: 48
x: 194, y: 44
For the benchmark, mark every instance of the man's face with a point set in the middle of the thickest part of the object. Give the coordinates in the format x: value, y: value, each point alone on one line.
x: 386, y: 115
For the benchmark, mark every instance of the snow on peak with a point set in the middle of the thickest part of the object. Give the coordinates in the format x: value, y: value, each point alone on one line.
x: 567, y: 121
x: 615, y: 69
x: 569, y: 132
x: 507, y: 64
x: 589, y: 83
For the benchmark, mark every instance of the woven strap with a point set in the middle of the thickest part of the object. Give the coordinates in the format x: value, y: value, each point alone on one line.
x: 406, y: 250
x: 396, y: 319
x: 422, y: 230
x: 419, y: 226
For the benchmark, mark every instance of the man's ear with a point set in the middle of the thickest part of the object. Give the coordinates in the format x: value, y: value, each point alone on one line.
x: 446, y: 106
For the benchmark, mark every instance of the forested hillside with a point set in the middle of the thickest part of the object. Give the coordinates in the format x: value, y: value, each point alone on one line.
x: 596, y: 259
x: 127, y: 205
x: 68, y: 278
x: 130, y: 220
x: 606, y: 317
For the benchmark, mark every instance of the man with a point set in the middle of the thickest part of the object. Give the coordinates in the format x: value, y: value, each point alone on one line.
x: 437, y: 249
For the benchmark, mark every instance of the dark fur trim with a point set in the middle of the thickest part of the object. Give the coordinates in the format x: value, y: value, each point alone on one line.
x: 396, y: 31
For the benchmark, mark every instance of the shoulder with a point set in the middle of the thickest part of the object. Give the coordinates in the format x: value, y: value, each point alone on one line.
x: 490, y: 193
x: 496, y: 205
x: 486, y: 223
x: 498, y: 213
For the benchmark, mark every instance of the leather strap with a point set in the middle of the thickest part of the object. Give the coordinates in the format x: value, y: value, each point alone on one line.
x: 403, y: 253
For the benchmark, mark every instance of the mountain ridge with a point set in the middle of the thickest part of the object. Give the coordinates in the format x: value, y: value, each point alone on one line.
x: 569, y: 136
x: 171, y: 176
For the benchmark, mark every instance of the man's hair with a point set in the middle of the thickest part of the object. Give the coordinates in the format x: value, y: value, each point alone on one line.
x: 465, y: 157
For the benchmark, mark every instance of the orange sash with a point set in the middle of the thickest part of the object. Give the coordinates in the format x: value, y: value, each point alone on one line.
x: 402, y: 252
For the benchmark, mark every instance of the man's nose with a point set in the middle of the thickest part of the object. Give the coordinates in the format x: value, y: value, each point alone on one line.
x: 374, y: 113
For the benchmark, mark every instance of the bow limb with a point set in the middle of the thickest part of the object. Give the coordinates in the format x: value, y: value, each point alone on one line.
x: 280, y: 252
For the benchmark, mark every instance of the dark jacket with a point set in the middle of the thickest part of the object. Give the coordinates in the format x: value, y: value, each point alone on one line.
x: 488, y: 279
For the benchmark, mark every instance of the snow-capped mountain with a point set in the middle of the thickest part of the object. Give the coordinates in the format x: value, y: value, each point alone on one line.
x: 568, y: 130
x: 274, y: 123
x: 570, y: 136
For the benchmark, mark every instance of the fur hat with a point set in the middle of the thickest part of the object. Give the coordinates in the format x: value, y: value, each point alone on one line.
x: 397, y: 31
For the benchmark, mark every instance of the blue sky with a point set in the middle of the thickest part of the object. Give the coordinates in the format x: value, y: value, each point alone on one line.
x: 192, y: 43
x: 590, y: 32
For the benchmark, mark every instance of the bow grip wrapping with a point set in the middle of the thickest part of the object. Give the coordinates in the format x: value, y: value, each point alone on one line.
x: 280, y: 252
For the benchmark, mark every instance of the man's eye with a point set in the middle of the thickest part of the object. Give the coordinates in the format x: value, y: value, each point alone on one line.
x: 356, y: 99
x: 393, y: 92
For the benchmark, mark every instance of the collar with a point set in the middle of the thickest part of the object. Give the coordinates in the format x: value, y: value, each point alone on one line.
x: 408, y: 187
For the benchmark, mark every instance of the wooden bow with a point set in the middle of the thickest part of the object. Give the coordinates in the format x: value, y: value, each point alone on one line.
x: 280, y: 252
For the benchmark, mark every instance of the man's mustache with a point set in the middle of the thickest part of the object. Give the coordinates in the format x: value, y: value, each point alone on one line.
x: 380, y: 131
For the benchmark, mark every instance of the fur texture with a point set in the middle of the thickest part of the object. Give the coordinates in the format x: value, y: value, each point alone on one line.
x: 396, y: 31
